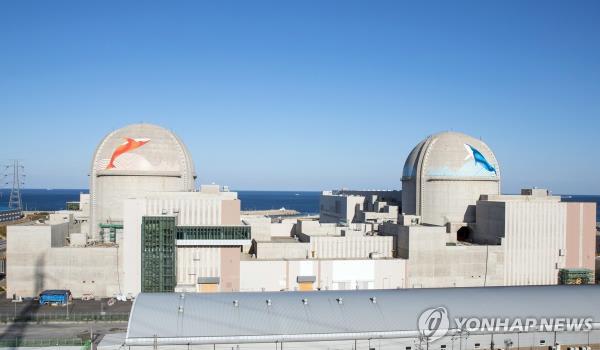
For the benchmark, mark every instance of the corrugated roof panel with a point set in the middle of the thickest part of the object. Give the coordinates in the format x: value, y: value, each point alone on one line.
x: 216, y: 314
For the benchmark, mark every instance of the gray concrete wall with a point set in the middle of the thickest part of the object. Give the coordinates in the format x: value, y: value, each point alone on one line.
x: 490, y: 225
x: 34, y: 265
x: 351, y: 247
x: 409, y: 199
x: 286, y: 228
x: 446, y: 201
x: 339, y: 208
x: 432, y: 263
x: 316, y: 228
x: 399, y: 233
x: 111, y: 192
x: 434, y: 260
x: 59, y: 234
x: 260, y: 226
x: 282, y: 250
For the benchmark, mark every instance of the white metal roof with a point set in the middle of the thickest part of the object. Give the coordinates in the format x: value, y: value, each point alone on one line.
x: 173, y: 318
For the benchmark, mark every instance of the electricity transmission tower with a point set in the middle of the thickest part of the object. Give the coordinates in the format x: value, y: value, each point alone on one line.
x: 15, y: 172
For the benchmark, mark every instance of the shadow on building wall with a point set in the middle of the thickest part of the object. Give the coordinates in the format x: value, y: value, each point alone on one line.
x: 17, y: 329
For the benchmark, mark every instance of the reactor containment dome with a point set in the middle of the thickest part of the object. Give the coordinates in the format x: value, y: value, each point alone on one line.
x: 444, y: 176
x: 134, y: 161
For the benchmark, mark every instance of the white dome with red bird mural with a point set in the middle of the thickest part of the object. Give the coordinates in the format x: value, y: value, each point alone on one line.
x: 142, y: 147
x: 133, y: 161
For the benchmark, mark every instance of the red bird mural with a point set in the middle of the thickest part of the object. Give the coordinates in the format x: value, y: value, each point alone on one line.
x: 128, y: 146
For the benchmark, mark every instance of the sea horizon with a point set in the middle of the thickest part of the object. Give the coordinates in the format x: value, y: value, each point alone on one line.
x: 304, y: 201
x: 285, y: 190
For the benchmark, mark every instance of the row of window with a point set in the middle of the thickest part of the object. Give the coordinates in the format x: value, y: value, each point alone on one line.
x: 213, y: 232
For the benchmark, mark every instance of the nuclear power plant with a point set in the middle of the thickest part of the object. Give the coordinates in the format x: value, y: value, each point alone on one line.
x: 147, y: 227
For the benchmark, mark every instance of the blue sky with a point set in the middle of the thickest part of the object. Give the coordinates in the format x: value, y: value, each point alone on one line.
x: 305, y: 94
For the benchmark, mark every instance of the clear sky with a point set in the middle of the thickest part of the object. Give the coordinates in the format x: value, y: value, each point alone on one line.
x: 305, y: 95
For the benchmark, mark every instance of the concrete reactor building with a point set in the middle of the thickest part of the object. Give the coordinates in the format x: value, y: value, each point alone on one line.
x: 444, y: 176
x: 143, y: 210
x: 133, y: 161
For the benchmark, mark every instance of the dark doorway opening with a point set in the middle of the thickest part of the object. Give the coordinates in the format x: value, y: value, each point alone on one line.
x: 464, y: 234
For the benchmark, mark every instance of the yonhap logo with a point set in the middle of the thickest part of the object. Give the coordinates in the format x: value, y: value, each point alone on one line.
x: 434, y: 323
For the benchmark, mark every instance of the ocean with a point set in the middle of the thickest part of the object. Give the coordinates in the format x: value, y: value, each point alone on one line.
x: 306, y: 202
x: 302, y: 201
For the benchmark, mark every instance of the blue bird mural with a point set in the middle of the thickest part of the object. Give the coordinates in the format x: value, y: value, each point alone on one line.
x: 472, y: 152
